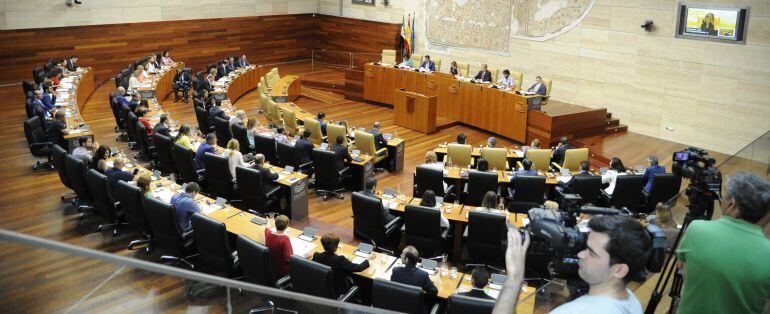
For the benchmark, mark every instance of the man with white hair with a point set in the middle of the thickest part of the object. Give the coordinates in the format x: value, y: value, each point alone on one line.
x: 121, y: 97
x: 240, y: 117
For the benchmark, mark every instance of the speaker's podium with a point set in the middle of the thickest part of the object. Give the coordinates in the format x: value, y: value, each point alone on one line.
x: 415, y: 111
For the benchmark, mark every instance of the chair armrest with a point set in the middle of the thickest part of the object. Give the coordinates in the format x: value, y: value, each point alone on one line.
x: 393, y: 224
x: 306, y: 165
x: 40, y: 145
x: 434, y: 310
x: 449, y: 190
x: 344, y: 171
x: 559, y: 192
x: 384, y: 250
x: 345, y: 297
x: 272, y: 192
x: 284, y: 282
x: 557, y: 166
x: 519, y: 165
x: 382, y: 152
x: 510, y: 193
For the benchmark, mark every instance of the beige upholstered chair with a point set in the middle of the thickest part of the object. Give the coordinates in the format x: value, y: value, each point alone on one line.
x: 458, y: 155
x: 333, y: 130
x: 290, y: 122
x: 365, y: 143
x: 518, y: 77
x: 437, y: 61
x: 388, y: 56
x: 541, y: 159
x: 316, y: 134
x: 463, y: 68
x: 547, y: 83
x: 496, y: 157
x: 494, y: 73
x: 573, y: 158
x: 272, y: 77
x: 275, y: 113
x: 267, y: 86
x: 416, y: 60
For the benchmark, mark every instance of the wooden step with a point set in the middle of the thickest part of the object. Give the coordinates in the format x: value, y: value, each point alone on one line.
x: 613, y: 122
x: 609, y: 115
x: 616, y: 128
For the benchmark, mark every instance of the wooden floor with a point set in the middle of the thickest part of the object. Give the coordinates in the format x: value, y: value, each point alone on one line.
x: 34, y: 280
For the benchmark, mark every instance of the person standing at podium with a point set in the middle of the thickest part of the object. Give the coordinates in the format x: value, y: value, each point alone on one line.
x: 484, y: 75
x: 428, y: 65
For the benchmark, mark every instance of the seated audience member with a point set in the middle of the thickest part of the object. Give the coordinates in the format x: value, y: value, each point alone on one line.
x: 664, y: 218
x: 86, y: 149
x: 490, y: 203
x: 234, y: 156
x: 165, y: 59
x: 535, y: 144
x: 71, y: 63
x: 379, y: 139
x: 460, y: 139
x: 342, y: 156
x: 428, y: 64
x: 116, y: 173
x: 216, y: 111
x: 222, y: 69
x: 140, y: 113
x: 239, y: 119
x: 99, y: 160
x: 431, y: 160
x: 584, y: 167
x: 407, y: 62
x: 538, y: 88
x: 48, y: 99
x: 429, y: 200
x: 121, y: 97
x: 183, y: 138
x: 526, y: 170
x: 491, y: 142
x: 152, y: 65
x: 242, y: 62
x: 453, y: 68
x: 557, y: 155
x: 57, y: 129
x: 136, y: 101
x: 369, y: 187
x: 610, y: 177
x: 251, y: 130
x: 649, y: 173
x: 268, y: 177
x: 162, y: 126
x: 482, y: 164
x: 230, y: 65
x: 479, y: 280
x: 279, y: 245
x: 409, y: 274
x: 185, y: 205
x: 280, y: 136
x: 340, y: 264
x: 506, y: 81
x: 484, y: 75
x: 321, y: 120
x: 144, y: 182
x: 303, y: 148
x: 205, y: 147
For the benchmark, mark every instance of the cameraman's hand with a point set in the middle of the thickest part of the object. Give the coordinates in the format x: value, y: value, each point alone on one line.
x: 516, y: 253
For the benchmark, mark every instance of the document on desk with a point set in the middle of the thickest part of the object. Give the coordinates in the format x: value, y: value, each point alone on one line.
x: 300, y: 247
x: 207, y: 209
x: 162, y: 194
x: 564, y: 179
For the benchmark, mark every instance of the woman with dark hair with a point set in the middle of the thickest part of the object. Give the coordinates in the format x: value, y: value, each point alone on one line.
x: 610, y: 177
x: 707, y: 25
x: 183, y: 138
x: 99, y: 161
x: 429, y: 200
x: 143, y: 182
x: 482, y: 165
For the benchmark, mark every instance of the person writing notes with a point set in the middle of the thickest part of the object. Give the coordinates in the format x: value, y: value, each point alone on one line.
x: 484, y: 75
x: 427, y: 64
x: 506, y: 81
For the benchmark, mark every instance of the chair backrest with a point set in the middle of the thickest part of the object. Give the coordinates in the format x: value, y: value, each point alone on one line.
x: 589, y: 188
x: 132, y: 202
x: 261, y: 89
x: 311, y: 277
x: 547, y: 83
x: 312, y: 125
x: 365, y: 143
x: 368, y: 221
x: 541, y: 158
x: 290, y: 122
x: 265, y: 145
x: 212, y: 242
x: 254, y: 197
x: 459, y: 154
x: 518, y: 77
x: 479, y: 183
x: 33, y: 131
x: 423, y: 229
x: 494, y: 72
x: 573, y: 157
x: 497, y: 157
x: 333, y: 130
x: 163, y: 148
x: 76, y: 172
x: 220, y: 180
x: 664, y: 187
x: 394, y: 296
x: 264, y: 83
x: 286, y: 154
x: 239, y: 133
x: 437, y: 62
x: 416, y: 59
x: 628, y: 191
x: 529, y: 189
x: 388, y: 56
x: 427, y: 178
x: 255, y: 261
x: 275, y: 113
x: 326, y: 172
x: 486, y: 232
x: 222, y: 128
x: 463, y: 68
x: 143, y: 140
x: 131, y: 121
x: 184, y: 159
x: 99, y: 187
x: 59, y: 155
x: 203, y: 120
x: 460, y: 304
x: 164, y: 223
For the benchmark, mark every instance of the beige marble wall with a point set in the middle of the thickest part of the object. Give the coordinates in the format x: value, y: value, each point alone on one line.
x: 711, y: 95
x: 18, y: 14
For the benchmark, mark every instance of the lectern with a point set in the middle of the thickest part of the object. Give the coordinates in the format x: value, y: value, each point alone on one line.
x: 415, y: 111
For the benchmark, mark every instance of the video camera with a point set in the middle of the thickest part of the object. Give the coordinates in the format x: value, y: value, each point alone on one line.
x: 694, y: 163
x: 548, y: 228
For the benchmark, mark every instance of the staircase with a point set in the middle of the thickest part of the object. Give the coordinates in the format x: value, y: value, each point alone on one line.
x: 613, y: 125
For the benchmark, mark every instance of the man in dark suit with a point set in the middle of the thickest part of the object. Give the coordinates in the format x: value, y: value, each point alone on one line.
x: 120, y: 96
x: 303, y: 148
x: 216, y: 111
x: 341, y: 153
x: 558, y: 154
x: 379, y: 140
x: 428, y: 65
x: 341, y: 266
x: 242, y: 62
x: 49, y: 99
x: 72, y: 63
x: 409, y: 274
x: 369, y: 186
x: 567, y: 186
x: 205, y: 147
x: 222, y: 69
x: 38, y: 105
x: 136, y: 100
x: 268, y: 177
x: 116, y: 173
x: 321, y: 117
x: 650, y: 172
x: 479, y: 280
x: 162, y: 126
x: 537, y: 88
x: 231, y: 65
x: 526, y: 170
x: 484, y: 75
x: 182, y: 80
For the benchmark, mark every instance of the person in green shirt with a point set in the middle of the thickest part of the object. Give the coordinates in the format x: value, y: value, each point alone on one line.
x: 726, y: 262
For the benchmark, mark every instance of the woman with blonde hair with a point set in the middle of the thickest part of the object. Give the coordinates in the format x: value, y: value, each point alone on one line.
x: 143, y: 182
x: 251, y: 129
x: 664, y: 218
x: 234, y: 156
x: 135, y: 80
x: 431, y: 160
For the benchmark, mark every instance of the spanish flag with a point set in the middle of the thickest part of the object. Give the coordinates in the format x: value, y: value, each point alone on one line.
x: 406, y: 35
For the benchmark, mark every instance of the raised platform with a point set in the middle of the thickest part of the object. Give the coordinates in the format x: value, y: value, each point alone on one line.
x: 559, y: 119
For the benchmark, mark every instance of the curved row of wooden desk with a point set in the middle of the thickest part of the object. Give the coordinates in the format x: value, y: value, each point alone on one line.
x: 73, y: 91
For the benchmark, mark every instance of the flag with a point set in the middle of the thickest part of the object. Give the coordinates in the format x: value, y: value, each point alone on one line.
x: 404, y: 52
x: 411, y: 32
x: 408, y: 35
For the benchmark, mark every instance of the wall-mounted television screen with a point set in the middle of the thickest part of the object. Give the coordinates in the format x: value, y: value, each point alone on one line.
x: 709, y: 22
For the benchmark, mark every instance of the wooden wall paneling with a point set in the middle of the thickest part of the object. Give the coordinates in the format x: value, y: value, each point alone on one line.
x: 354, y: 35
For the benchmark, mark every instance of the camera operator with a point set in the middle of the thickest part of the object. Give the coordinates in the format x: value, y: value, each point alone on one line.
x: 617, y: 248
x: 725, y: 262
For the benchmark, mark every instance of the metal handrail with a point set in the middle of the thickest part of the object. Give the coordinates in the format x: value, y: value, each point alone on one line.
x: 349, y: 53
x: 11, y: 236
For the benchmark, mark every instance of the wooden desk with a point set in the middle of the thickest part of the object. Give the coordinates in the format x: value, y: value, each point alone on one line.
x: 161, y: 83
x: 494, y: 110
x: 287, y: 89
x: 415, y: 111
x: 527, y: 294
x: 81, y: 85
x: 243, y: 81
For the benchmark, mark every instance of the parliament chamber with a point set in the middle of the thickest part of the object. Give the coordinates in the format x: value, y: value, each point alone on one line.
x: 297, y: 160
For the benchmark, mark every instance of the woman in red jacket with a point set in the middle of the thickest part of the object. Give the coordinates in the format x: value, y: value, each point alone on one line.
x: 279, y: 245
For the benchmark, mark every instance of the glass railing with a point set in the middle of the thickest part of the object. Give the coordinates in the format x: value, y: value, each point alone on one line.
x: 342, y: 59
x: 44, y: 276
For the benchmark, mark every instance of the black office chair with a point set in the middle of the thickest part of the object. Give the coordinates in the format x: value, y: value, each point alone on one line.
x: 103, y: 202
x: 254, y: 193
x: 27, y: 87
x: 29, y: 108
x: 527, y: 192
x: 114, y: 107
x: 664, y: 187
x: 38, y: 142
x: 222, y: 128
x: 479, y: 183
x: 123, y: 111
x: 287, y: 156
x: 486, y: 232
x: 220, y: 181
x: 368, y: 222
x: 185, y: 165
x: 239, y: 133
x: 37, y: 75
x: 328, y: 179
x: 198, y: 103
x: 147, y: 149
x: 399, y: 297
x: 131, y: 121
x: 211, y: 240
x: 131, y: 201
x: 265, y: 145
x: 460, y: 304
x: 167, y: 233
x: 427, y: 178
x: 76, y: 172
x: 423, y: 229
x: 315, y: 279
x: 59, y: 155
x: 257, y: 268
x: 163, y: 153
x: 588, y: 187
x: 627, y: 193
x: 203, y: 120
